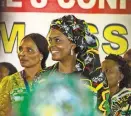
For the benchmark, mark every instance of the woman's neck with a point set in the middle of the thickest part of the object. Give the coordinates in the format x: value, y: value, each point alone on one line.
x: 32, y: 71
x: 114, y: 90
x: 68, y: 65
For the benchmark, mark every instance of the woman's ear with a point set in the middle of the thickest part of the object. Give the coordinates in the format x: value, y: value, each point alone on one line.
x: 73, y: 46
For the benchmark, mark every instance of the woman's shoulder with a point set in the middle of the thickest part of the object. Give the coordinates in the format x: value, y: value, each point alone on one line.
x: 7, y: 81
x: 125, y: 92
x: 49, y: 69
x: 127, y: 89
x: 54, y: 66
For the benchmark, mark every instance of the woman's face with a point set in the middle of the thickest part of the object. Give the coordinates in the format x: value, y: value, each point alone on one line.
x: 129, y: 63
x: 112, y: 72
x: 59, y: 45
x: 127, y: 57
x: 28, y: 54
x: 3, y: 72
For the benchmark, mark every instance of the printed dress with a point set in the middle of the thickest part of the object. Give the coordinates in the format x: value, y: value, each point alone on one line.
x: 119, y: 103
x: 101, y: 91
x: 12, y: 92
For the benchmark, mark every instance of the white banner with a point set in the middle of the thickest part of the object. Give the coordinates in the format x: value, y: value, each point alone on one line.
x: 111, y: 25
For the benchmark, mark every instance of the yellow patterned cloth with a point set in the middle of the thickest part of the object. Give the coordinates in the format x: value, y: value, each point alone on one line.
x: 12, y: 91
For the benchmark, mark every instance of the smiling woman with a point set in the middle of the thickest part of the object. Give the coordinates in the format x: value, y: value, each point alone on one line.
x: 75, y: 49
x: 33, y: 52
x: 58, y: 42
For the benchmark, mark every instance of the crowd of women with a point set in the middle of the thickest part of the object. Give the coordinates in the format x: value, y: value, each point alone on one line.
x: 76, y: 51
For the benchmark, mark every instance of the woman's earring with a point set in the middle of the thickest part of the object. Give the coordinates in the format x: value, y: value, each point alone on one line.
x: 118, y: 83
x: 41, y: 58
x: 72, y: 52
x: 122, y: 76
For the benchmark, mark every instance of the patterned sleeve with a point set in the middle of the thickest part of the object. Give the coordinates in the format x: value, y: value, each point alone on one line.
x: 99, y: 81
x: 5, y: 103
x: 92, y: 70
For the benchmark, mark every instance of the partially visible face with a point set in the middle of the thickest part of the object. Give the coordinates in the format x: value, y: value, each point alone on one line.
x: 3, y: 72
x: 127, y: 57
x: 129, y: 63
x: 28, y: 54
x: 111, y: 70
x: 59, y: 45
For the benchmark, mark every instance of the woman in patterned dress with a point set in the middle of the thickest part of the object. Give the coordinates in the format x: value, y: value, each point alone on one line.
x: 76, y: 50
x: 118, y: 76
x: 33, y: 52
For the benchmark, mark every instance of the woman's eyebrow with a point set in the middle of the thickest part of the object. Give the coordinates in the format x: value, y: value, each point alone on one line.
x: 54, y: 37
x: 20, y: 46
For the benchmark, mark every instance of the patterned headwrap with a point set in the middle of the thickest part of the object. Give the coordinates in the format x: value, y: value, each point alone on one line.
x: 77, y: 31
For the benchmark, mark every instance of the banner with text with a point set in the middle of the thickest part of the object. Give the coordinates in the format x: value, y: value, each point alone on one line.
x: 109, y: 20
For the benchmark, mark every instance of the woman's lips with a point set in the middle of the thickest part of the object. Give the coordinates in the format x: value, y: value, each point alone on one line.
x: 53, y: 52
x: 23, y: 60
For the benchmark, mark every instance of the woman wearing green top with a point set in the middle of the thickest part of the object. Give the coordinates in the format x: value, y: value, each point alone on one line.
x: 33, y: 52
x: 75, y: 49
x: 118, y: 75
